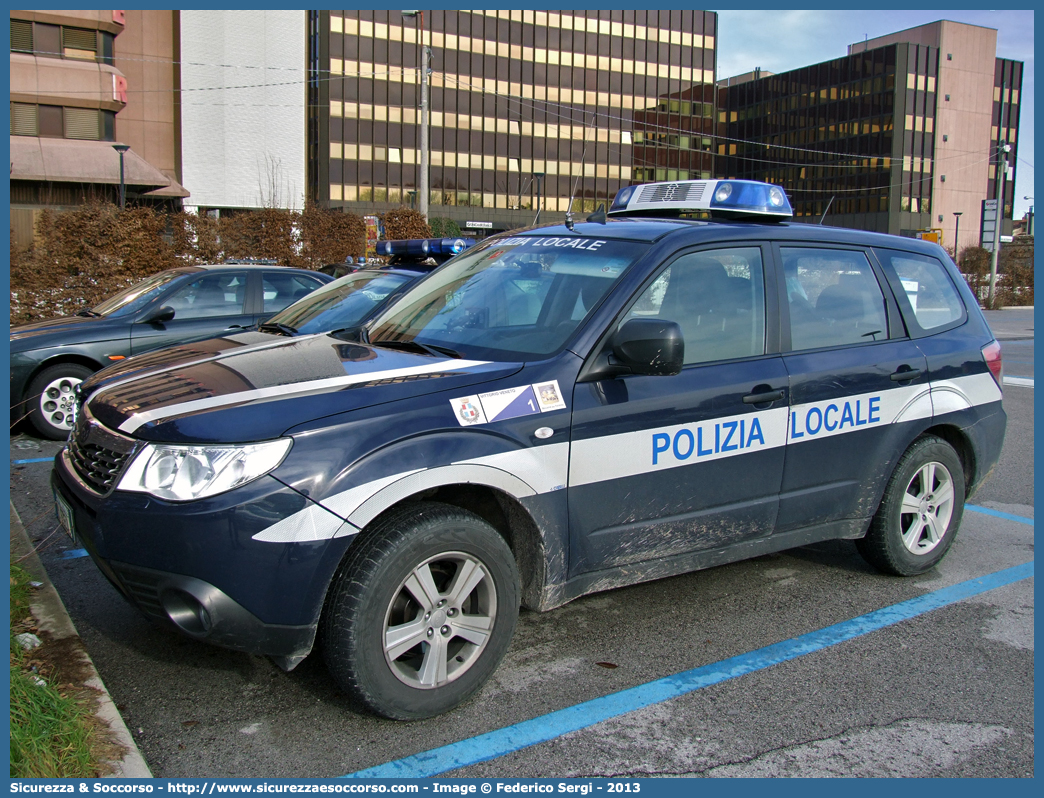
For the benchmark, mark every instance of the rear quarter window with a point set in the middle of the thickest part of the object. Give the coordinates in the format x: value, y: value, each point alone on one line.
x: 927, y: 296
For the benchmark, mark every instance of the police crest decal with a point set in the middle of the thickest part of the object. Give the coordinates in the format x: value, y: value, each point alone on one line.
x: 468, y: 410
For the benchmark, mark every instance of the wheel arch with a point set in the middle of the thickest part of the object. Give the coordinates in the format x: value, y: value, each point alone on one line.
x: 491, y: 494
x: 58, y: 360
x: 961, y: 444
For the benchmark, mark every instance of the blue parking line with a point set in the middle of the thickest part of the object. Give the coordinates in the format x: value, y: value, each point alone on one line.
x: 998, y: 514
x: 547, y: 727
x: 33, y: 460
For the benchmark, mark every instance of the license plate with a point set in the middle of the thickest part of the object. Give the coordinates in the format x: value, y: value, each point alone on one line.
x: 65, y: 516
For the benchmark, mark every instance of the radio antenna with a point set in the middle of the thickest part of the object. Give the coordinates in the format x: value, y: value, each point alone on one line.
x: 827, y: 208
x: 569, y: 210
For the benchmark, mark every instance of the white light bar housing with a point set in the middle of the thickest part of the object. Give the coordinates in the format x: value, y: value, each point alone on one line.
x: 731, y: 198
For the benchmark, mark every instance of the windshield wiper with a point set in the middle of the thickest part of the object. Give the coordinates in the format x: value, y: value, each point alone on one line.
x: 276, y: 327
x: 431, y: 349
x: 88, y: 313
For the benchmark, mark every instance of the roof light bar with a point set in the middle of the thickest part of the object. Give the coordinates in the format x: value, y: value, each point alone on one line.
x: 423, y: 247
x: 729, y: 198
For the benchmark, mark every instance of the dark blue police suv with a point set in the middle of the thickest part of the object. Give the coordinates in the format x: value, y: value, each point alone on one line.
x: 691, y: 381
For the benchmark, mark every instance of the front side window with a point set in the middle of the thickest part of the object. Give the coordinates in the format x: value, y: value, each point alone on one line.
x: 220, y: 294
x: 511, y: 298
x: 131, y: 300
x: 718, y: 299
x: 834, y: 298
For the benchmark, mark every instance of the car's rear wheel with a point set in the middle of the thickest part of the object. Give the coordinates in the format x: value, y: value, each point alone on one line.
x: 51, y: 399
x: 421, y: 611
x: 920, y: 511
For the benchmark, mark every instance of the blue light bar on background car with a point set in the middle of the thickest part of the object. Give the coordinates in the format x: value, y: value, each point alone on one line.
x: 732, y: 198
x: 423, y: 247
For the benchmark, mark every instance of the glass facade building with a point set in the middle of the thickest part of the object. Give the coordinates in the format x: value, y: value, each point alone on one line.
x: 520, y: 101
x: 852, y: 137
x: 898, y: 136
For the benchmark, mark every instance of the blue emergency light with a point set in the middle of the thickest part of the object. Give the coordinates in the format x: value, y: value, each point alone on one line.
x: 421, y: 248
x: 729, y: 198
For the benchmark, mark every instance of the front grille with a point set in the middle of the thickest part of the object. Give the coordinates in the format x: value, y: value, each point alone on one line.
x: 98, y: 455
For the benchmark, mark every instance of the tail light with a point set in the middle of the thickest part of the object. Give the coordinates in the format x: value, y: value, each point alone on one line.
x: 991, y: 353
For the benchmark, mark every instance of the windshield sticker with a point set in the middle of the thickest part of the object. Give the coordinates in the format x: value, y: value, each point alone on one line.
x: 525, y: 400
x: 557, y: 243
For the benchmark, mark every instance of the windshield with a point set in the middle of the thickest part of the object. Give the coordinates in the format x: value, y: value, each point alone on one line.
x: 346, y: 302
x: 133, y: 299
x: 510, y: 299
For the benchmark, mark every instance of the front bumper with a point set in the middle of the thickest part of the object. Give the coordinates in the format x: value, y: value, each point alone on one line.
x: 195, y: 566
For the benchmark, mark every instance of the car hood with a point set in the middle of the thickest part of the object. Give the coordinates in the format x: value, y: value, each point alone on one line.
x: 249, y: 387
x: 65, y: 329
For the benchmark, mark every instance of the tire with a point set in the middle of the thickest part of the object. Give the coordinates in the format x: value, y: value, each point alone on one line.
x: 920, y: 512
x: 380, y: 586
x: 51, y: 399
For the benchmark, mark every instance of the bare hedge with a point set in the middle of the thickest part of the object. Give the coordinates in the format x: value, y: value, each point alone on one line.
x: 1014, y: 272
x: 82, y: 256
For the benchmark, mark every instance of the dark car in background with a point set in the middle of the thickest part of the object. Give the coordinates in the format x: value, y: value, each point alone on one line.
x: 346, y: 303
x: 50, y: 358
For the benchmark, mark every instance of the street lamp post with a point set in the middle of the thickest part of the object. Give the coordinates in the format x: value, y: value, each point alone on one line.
x: 540, y: 180
x: 122, y: 148
x: 956, y: 234
x: 1002, y: 172
x: 425, y: 72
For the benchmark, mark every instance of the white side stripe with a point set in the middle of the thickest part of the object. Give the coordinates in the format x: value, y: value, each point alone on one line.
x: 949, y: 396
x: 520, y: 473
x: 543, y: 469
x: 825, y: 419
x: 632, y: 453
x: 137, y: 420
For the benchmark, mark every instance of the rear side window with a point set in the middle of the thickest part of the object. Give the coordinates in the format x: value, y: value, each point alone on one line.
x: 215, y: 294
x: 930, y: 296
x: 834, y: 298
x: 282, y: 289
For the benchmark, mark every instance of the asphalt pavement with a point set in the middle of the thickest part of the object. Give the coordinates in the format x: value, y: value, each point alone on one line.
x: 945, y: 692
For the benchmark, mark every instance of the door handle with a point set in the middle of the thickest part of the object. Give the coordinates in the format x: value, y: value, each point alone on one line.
x: 763, y: 398
x: 904, y: 376
x: 235, y: 327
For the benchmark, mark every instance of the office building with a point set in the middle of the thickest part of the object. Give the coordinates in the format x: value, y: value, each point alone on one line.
x: 521, y: 103
x: 897, y: 136
x: 242, y: 108
x: 70, y: 97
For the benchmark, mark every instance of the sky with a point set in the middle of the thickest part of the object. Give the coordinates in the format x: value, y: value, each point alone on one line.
x: 782, y: 40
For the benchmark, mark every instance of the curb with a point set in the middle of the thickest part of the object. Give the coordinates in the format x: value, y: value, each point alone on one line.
x: 50, y: 613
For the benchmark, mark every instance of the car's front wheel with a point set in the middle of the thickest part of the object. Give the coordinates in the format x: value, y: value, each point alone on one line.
x: 51, y: 399
x: 421, y: 611
x: 921, y: 510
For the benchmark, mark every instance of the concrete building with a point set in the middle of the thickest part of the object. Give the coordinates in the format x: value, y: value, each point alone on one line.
x: 67, y: 93
x: 897, y: 136
x: 521, y: 102
x: 242, y: 109
x: 147, y: 55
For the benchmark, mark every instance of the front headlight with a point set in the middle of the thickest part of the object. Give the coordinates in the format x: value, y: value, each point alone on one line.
x: 180, y: 473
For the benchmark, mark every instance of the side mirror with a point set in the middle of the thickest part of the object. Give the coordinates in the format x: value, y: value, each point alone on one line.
x: 158, y: 315
x: 648, y: 346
